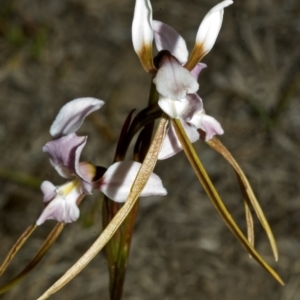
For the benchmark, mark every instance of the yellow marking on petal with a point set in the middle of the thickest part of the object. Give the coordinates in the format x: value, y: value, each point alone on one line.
x: 139, y: 183
x: 195, y: 57
x: 88, y: 170
x: 66, y: 188
x: 146, y: 58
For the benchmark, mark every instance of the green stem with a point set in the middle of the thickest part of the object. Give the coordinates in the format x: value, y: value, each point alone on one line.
x: 118, y: 248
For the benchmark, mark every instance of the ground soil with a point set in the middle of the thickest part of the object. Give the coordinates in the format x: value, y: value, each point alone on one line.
x: 53, y: 51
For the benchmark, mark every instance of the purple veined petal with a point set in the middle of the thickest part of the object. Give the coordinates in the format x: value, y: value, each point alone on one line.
x: 197, y: 70
x: 49, y: 191
x: 72, y: 114
x: 207, y: 33
x: 65, y: 153
x: 167, y: 38
x: 86, y: 172
x: 174, y: 81
x: 208, y: 124
x: 171, y: 144
x: 173, y: 108
x: 195, y: 105
x: 142, y: 33
x: 118, y: 179
x: 63, y: 208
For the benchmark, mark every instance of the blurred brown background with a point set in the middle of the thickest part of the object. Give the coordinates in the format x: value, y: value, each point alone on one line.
x: 53, y: 51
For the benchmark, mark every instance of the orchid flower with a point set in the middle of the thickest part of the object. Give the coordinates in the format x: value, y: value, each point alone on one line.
x: 166, y: 38
x: 193, y: 118
x: 64, y: 152
x: 176, y: 73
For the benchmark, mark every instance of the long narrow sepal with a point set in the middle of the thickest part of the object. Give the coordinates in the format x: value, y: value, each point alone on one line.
x: 248, y: 193
x: 207, y: 33
x: 16, y: 247
x: 215, y: 198
x: 142, y: 34
x: 54, y: 234
x: 138, y: 185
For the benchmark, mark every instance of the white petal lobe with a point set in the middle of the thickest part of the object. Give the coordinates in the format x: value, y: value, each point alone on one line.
x: 173, y: 108
x: 174, y: 81
x: 142, y: 32
x: 118, y: 179
x: 72, y: 115
x: 211, y: 25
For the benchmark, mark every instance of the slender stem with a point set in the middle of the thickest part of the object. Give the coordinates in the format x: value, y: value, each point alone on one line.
x: 118, y: 248
x: 215, y: 198
x: 16, y: 247
x: 138, y: 185
x: 54, y: 234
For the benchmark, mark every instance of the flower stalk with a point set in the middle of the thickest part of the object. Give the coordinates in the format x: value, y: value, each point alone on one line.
x: 118, y: 248
x: 139, y: 183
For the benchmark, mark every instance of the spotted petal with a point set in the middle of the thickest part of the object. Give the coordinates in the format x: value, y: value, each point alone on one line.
x: 118, y: 179
x: 72, y: 114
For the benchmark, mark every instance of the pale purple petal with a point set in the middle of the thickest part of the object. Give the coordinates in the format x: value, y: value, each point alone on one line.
x: 171, y: 145
x: 173, y: 108
x: 208, y: 124
x: 72, y: 114
x: 210, y: 26
x: 167, y: 38
x: 142, y: 33
x: 49, y: 191
x: 198, y: 68
x: 65, y: 153
x: 195, y: 105
x: 63, y: 207
x: 118, y: 179
x: 174, y: 81
x: 86, y: 172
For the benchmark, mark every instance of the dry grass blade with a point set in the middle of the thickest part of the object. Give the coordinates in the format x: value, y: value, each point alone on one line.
x: 54, y: 234
x: 249, y: 222
x: 217, y: 145
x: 138, y: 185
x: 16, y: 247
x: 215, y: 198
